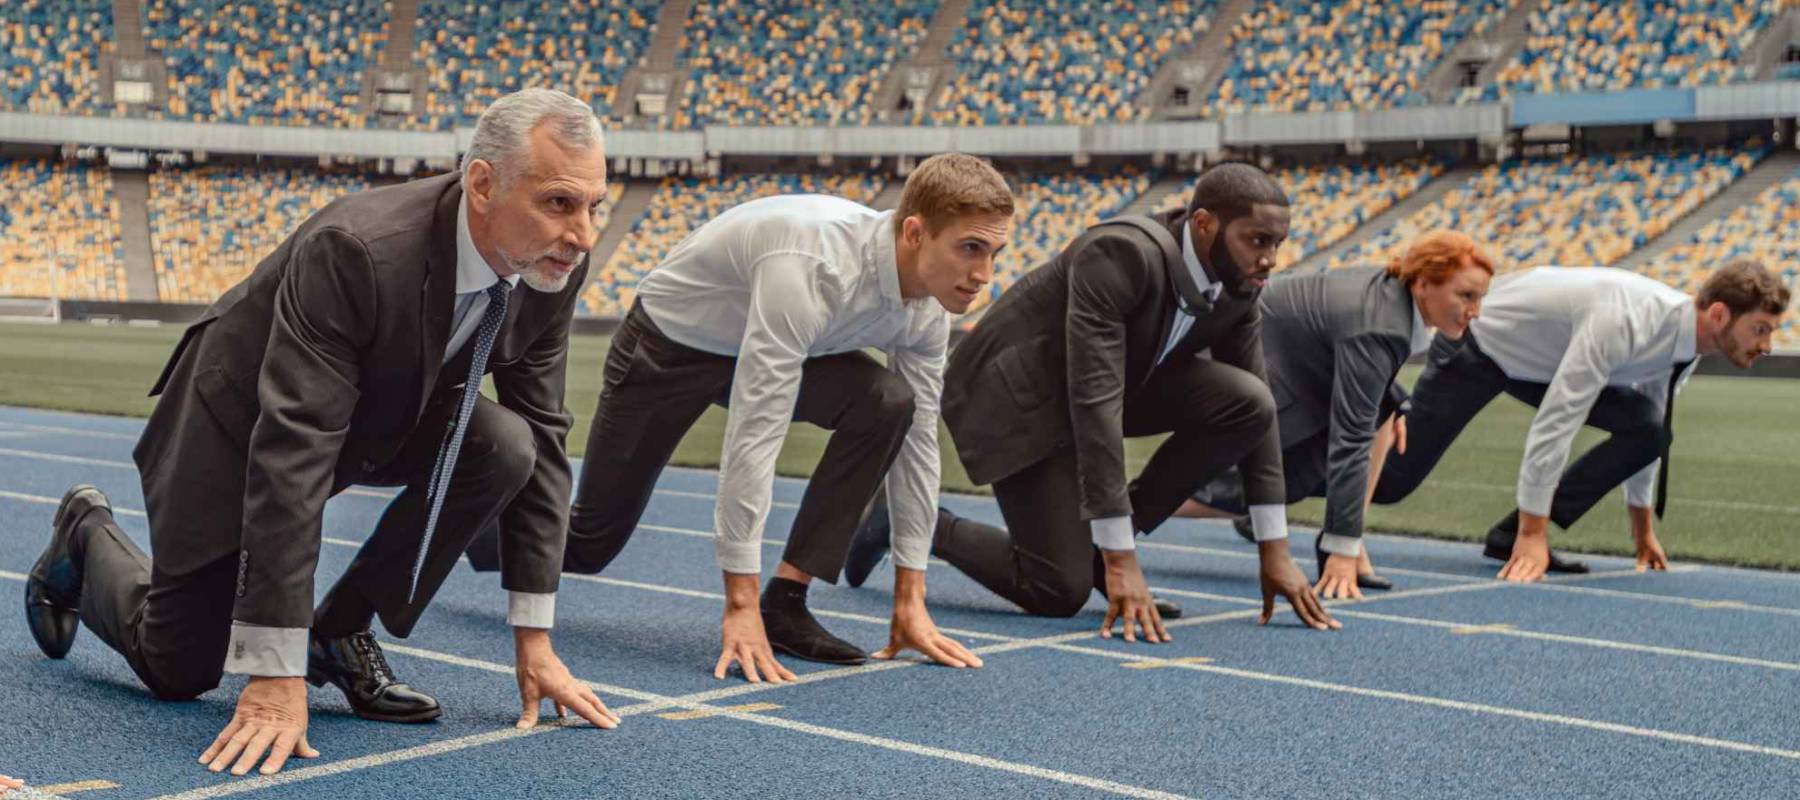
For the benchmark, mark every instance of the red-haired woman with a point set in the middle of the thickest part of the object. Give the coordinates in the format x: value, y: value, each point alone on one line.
x: 1334, y: 342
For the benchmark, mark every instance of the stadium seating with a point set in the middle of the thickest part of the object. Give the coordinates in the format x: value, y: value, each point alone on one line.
x: 1578, y: 45
x: 1569, y: 211
x: 1330, y: 202
x: 49, y: 55
x: 1050, y: 209
x: 476, y: 52
x: 59, y: 232
x: 210, y: 226
x: 1303, y: 55
x: 682, y: 204
x: 1069, y: 61
x: 1767, y: 229
x: 794, y: 62
x: 266, y: 62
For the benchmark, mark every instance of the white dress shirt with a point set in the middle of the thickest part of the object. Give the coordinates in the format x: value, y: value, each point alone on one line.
x: 776, y: 281
x: 281, y: 652
x: 1579, y: 330
x: 1268, y: 520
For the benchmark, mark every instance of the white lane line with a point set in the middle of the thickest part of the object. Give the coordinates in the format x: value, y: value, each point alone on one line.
x: 1455, y: 705
x: 355, y: 490
x: 649, y: 702
x: 1238, y: 554
x: 1507, y: 629
x: 128, y: 437
x: 1686, y: 501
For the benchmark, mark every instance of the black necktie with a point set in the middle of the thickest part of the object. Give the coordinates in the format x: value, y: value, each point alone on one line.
x: 452, y: 444
x: 1668, y: 437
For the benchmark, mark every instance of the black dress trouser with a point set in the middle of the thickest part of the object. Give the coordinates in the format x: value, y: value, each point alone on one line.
x: 1459, y: 381
x: 174, y: 627
x: 1045, y: 560
x: 655, y: 388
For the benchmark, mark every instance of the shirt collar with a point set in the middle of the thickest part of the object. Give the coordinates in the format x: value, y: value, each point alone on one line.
x: 879, y: 256
x: 1686, y: 347
x: 1421, y: 335
x: 1205, y: 284
x: 472, y: 271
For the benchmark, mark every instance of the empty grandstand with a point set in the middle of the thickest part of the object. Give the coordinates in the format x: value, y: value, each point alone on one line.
x: 50, y: 54
x: 1573, y: 211
x: 59, y: 232
x: 1763, y: 229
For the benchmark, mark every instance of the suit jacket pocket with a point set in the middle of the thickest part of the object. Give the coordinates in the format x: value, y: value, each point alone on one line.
x: 1021, y: 372
x: 234, y: 409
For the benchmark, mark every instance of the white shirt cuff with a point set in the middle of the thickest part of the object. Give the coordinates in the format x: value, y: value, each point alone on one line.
x: 1536, y: 499
x: 265, y: 652
x: 531, y: 610
x: 1269, y: 521
x: 738, y: 558
x: 1337, y: 545
x: 1113, y: 533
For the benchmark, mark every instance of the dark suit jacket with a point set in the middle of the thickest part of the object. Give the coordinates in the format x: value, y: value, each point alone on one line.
x: 316, y: 369
x: 1052, y: 364
x: 1335, y: 341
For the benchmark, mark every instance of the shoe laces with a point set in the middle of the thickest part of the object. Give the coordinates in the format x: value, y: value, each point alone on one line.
x: 369, y: 653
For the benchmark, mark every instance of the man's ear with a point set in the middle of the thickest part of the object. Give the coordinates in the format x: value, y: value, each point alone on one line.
x: 1719, y: 316
x: 912, y: 230
x: 1205, y: 224
x: 479, y: 183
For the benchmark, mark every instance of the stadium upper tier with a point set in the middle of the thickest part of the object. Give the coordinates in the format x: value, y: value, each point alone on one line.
x: 793, y: 62
x: 59, y: 232
x: 1570, y: 211
x: 1071, y: 61
x: 1327, y: 203
x: 1767, y: 229
x: 210, y: 226
x: 1303, y: 55
x: 682, y: 204
x: 50, y: 55
x: 475, y: 51
x: 1577, y: 45
x: 268, y: 61
x: 820, y: 62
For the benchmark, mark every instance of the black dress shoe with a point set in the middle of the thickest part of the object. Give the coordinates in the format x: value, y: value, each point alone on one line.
x: 868, y: 546
x: 355, y: 665
x: 794, y: 631
x: 1244, y: 529
x: 1166, y: 609
x: 53, y: 588
x: 1369, y: 581
x: 1557, y: 563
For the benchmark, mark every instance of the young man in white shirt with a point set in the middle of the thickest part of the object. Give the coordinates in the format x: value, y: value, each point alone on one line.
x: 1585, y: 345
x: 766, y: 309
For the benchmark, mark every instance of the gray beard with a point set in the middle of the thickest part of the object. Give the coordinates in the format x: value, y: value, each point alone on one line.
x: 544, y: 282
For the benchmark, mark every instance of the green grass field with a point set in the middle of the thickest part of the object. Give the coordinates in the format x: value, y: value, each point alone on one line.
x: 1736, y: 468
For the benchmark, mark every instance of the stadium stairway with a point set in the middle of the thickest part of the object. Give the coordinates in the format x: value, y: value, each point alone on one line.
x: 403, y: 26
x: 945, y: 22
x: 132, y: 190
x: 1153, y: 197
x: 1428, y: 194
x: 128, y: 28
x: 889, y: 196
x: 658, y: 60
x: 1211, y: 51
x: 1763, y: 56
x: 1498, y: 44
x: 623, y: 216
x: 1774, y: 169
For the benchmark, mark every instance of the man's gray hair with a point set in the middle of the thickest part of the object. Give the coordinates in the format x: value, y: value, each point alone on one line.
x: 503, y: 134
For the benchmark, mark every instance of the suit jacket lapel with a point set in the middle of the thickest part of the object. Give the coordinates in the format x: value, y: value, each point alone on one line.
x: 438, y: 296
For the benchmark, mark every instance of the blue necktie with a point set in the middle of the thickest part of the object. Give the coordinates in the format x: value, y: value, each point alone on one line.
x: 446, y: 459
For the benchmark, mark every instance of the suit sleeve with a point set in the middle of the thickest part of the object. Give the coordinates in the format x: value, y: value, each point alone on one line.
x: 324, y: 311
x: 1363, y: 367
x: 534, y: 526
x: 1106, y: 279
x: 1264, y: 484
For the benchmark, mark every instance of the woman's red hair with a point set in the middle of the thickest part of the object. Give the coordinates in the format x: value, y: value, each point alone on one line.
x: 1437, y: 255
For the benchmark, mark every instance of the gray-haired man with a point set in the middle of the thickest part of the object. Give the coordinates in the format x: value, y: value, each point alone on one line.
x: 353, y: 355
